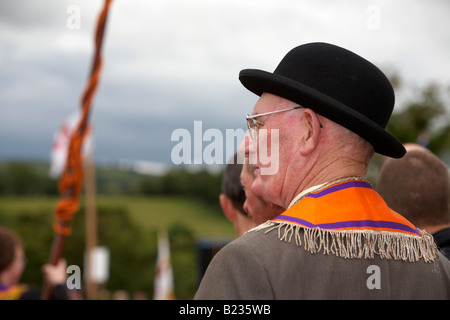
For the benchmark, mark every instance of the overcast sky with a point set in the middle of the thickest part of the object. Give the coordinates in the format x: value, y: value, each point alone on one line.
x: 168, y: 63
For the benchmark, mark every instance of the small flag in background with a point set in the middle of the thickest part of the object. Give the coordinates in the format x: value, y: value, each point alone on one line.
x: 61, y: 143
x: 163, y: 289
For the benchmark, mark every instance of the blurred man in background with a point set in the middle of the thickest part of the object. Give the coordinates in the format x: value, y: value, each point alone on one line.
x: 259, y: 209
x: 232, y: 198
x: 418, y: 187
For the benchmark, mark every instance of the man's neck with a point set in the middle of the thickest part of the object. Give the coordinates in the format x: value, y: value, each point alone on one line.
x: 4, y: 280
x: 322, y: 178
x: 435, y: 228
x: 329, y: 161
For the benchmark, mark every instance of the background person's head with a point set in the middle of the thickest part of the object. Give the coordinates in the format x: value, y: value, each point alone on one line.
x: 259, y: 209
x: 12, y: 257
x: 232, y: 198
x: 418, y: 187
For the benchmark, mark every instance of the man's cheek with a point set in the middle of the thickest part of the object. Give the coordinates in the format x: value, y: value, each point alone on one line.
x: 268, y: 151
x: 258, y: 186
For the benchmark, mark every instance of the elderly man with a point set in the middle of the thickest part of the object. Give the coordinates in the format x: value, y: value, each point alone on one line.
x: 328, y: 108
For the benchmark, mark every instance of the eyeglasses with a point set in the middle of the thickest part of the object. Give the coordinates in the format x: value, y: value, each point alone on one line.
x: 251, y: 123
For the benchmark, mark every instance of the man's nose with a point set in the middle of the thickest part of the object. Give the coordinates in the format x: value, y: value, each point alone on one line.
x: 247, y: 148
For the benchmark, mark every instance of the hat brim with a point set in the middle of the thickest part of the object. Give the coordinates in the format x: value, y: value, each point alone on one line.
x: 259, y: 81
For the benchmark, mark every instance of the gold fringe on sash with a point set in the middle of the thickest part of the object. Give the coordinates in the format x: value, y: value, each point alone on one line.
x: 357, y: 244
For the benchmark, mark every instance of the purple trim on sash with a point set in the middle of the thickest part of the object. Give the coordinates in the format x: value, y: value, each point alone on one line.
x: 350, y: 184
x: 351, y: 224
x: 297, y: 220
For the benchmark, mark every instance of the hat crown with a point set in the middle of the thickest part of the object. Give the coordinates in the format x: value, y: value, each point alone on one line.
x: 342, y: 75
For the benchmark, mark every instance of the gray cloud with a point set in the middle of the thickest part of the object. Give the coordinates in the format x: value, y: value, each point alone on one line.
x: 169, y: 63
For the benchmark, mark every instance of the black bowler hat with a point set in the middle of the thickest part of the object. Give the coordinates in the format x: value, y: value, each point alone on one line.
x: 337, y: 84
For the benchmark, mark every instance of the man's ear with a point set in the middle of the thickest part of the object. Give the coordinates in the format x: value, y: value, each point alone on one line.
x: 310, y: 128
x: 227, y: 207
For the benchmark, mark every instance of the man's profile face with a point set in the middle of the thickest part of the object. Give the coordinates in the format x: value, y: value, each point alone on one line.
x: 272, y: 147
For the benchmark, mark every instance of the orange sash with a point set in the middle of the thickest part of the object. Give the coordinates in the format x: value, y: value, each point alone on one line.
x: 13, y: 292
x: 349, y: 219
x: 344, y: 206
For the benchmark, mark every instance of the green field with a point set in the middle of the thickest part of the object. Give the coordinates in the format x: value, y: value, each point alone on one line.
x: 158, y: 212
x: 131, y: 208
x: 132, y: 241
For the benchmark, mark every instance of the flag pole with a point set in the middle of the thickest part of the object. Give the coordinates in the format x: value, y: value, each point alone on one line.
x: 90, y: 225
x: 70, y: 183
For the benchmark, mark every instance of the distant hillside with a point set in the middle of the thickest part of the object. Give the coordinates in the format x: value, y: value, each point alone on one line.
x: 32, y: 178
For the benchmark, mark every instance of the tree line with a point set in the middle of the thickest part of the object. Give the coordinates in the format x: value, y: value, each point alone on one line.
x: 21, y: 178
